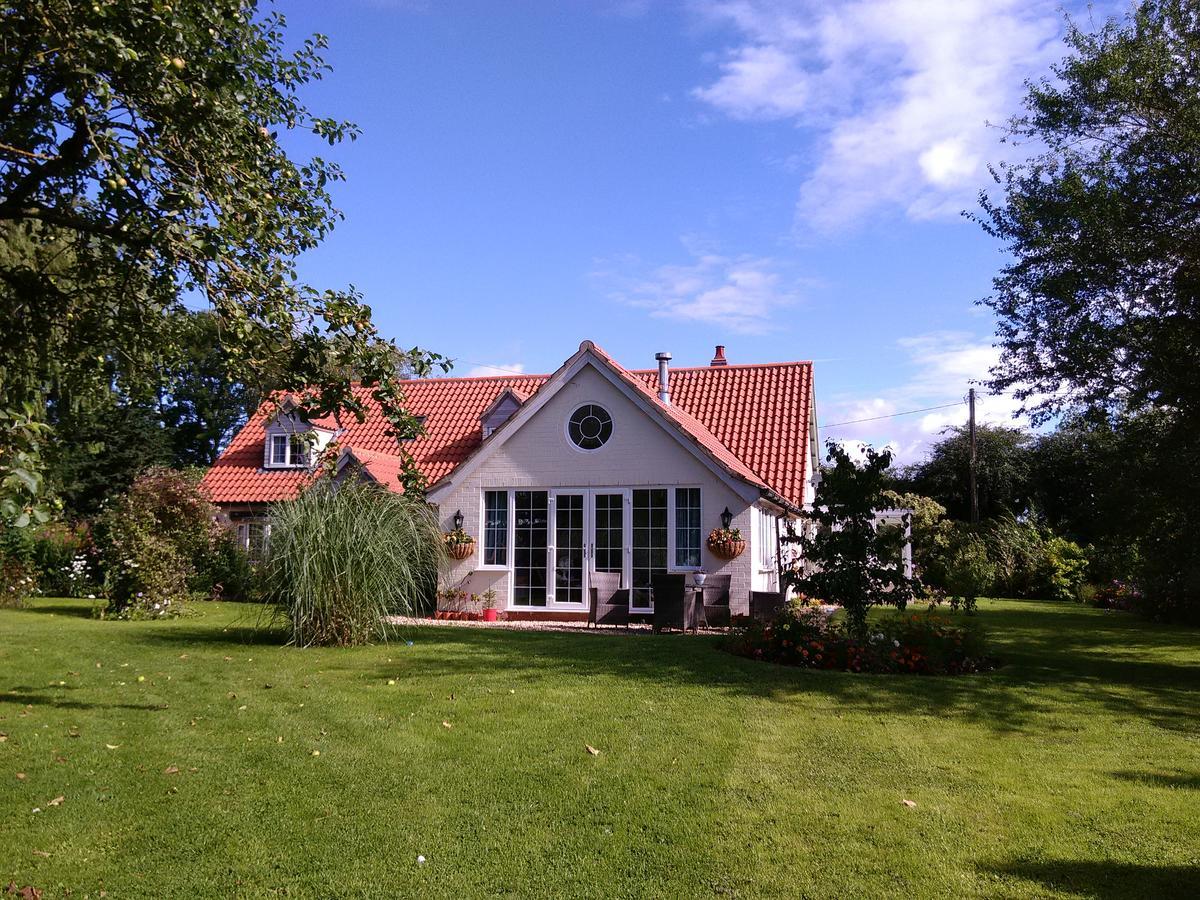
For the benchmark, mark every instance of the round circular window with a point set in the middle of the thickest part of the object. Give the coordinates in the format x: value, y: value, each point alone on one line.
x: 590, y: 427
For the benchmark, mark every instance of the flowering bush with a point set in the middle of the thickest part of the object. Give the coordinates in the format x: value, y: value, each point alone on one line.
x: 1117, y: 594
x: 150, y: 542
x: 18, y: 581
x: 914, y: 644
x: 66, y: 560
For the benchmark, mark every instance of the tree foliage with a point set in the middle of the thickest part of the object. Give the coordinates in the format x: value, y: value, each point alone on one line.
x: 1003, y: 471
x: 1099, y: 308
x: 141, y: 165
x: 850, y: 560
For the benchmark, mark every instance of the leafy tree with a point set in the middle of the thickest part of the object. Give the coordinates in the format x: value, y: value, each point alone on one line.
x: 852, y: 562
x: 1002, y: 458
x: 1099, y: 308
x: 202, y: 403
x: 140, y: 163
x: 103, y: 448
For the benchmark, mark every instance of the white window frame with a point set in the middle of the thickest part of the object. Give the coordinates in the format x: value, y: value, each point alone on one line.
x: 508, y: 530
x: 295, y: 455
x: 767, y: 535
x: 672, y: 542
x: 243, y: 534
x: 567, y: 426
x: 552, y: 605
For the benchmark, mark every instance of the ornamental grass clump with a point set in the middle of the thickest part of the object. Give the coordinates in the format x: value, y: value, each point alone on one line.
x: 342, y: 558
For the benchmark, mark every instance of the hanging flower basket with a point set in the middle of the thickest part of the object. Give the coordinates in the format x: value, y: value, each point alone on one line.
x: 459, y: 544
x: 727, y: 543
x: 460, y: 551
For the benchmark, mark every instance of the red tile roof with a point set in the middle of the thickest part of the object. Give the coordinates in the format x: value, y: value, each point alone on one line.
x: 753, y: 419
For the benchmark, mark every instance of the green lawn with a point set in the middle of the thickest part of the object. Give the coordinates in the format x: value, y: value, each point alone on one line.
x: 1072, y: 771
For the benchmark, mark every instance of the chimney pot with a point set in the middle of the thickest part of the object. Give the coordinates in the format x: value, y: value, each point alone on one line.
x: 719, y: 357
x: 664, y: 377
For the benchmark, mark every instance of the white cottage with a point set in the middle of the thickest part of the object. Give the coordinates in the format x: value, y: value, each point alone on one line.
x: 593, y: 470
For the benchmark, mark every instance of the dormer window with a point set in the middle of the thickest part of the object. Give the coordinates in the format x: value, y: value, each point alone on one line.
x: 288, y: 451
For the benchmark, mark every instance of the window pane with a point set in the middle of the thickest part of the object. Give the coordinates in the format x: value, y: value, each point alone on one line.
x: 279, y: 448
x: 687, y: 527
x: 495, y: 528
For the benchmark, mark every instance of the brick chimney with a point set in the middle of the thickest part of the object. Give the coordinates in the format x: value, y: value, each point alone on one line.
x: 719, y: 357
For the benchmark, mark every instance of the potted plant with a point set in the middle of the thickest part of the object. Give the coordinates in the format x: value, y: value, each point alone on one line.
x: 726, y: 543
x: 489, y: 605
x: 698, y: 577
x: 458, y: 543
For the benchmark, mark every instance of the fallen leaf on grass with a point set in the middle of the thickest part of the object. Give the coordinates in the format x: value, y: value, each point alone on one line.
x: 240, y: 708
x: 57, y: 801
x: 909, y: 803
x: 29, y: 892
x: 3, y: 737
x: 41, y: 853
x: 21, y: 776
x: 592, y: 750
x: 228, y: 659
x: 171, y: 770
x: 112, y: 746
x: 183, y: 656
x: 61, y: 759
x: 446, y: 724
x: 316, y: 753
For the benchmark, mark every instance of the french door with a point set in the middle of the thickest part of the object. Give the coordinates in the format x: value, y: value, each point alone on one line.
x: 589, y: 533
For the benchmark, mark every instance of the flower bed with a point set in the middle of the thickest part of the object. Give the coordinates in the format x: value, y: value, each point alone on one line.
x: 908, y: 644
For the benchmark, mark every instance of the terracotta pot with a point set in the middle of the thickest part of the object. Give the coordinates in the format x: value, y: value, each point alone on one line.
x: 460, y: 551
x: 489, y: 615
x: 727, y: 549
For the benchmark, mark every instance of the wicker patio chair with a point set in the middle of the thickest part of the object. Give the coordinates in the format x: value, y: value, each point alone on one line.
x: 716, y: 601
x: 669, y: 609
x: 609, y: 601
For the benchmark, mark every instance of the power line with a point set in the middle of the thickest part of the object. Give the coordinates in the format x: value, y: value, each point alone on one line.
x: 907, y: 412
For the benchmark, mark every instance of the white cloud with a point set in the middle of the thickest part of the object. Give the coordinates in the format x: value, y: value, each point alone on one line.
x: 739, y: 293
x: 942, y: 366
x: 896, y: 94
x: 489, y: 371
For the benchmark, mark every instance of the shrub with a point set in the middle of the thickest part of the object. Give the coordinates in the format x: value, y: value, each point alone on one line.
x: 913, y: 643
x: 18, y: 574
x: 18, y: 581
x: 224, y: 570
x: 1119, y: 595
x: 1016, y: 549
x: 968, y: 569
x: 1061, y: 570
x: 150, y: 541
x: 343, y: 557
x: 66, y: 560
x: 853, y: 561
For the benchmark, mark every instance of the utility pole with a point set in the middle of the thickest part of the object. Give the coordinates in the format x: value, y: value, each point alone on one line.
x: 971, y: 431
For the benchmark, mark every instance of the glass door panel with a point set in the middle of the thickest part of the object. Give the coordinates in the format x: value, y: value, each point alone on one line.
x: 609, y: 540
x: 530, y: 557
x: 568, y: 548
x: 649, y: 542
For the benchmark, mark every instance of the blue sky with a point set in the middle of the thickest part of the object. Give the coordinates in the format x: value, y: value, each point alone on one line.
x: 782, y: 178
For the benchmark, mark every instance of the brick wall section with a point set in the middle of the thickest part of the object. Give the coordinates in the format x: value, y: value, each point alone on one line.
x: 639, y: 454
